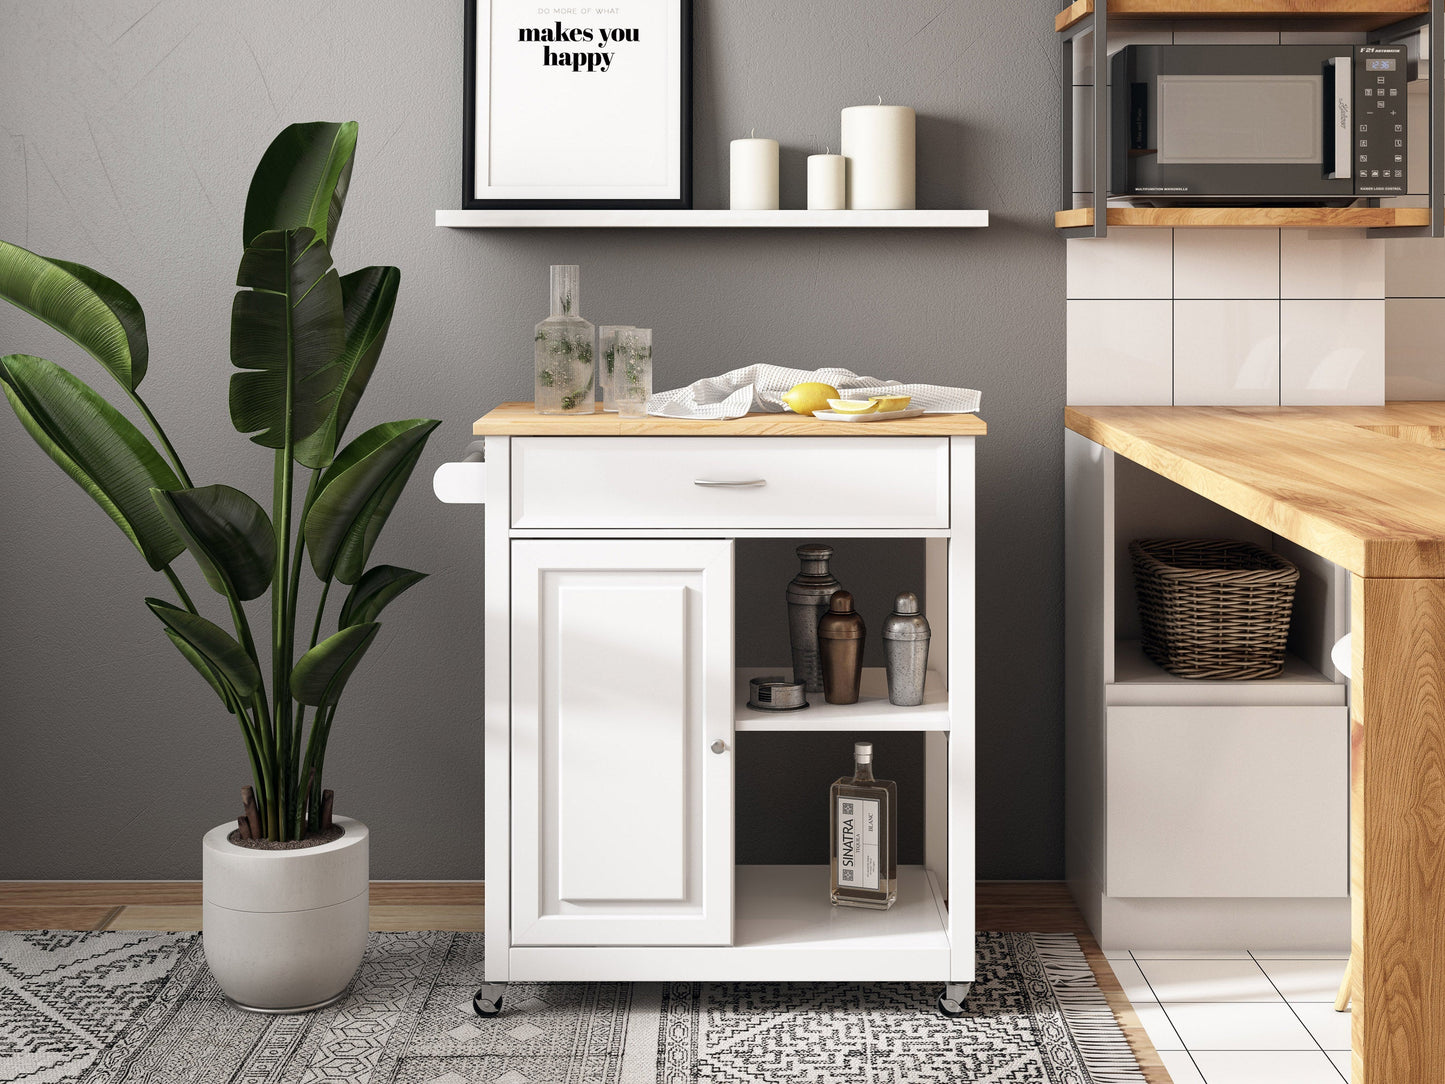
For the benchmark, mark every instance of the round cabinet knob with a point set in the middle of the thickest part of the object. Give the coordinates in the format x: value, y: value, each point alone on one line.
x: 719, y: 746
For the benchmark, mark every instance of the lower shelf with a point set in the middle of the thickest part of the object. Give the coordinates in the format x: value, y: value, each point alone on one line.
x: 1313, y: 218
x: 872, y: 712
x: 784, y: 930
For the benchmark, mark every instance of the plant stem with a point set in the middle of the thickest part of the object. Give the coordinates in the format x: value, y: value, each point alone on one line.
x: 290, y: 620
x: 180, y: 588
x: 281, y: 604
x: 165, y: 440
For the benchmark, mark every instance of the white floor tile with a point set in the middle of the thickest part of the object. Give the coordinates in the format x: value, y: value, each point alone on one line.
x: 1190, y: 954
x: 1331, y: 1029
x: 1156, y: 1023
x: 1136, y: 987
x: 1341, y: 1058
x: 1266, y: 1067
x: 1208, y: 980
x: 1180, y: 1066
x: 1226, y: 263
x: 1215, y: 1026
x: 1305, y: 980
x: 1342, y: 953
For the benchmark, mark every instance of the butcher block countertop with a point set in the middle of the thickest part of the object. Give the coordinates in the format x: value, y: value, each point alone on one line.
x: 1362, y: 486
x: 521, y: 420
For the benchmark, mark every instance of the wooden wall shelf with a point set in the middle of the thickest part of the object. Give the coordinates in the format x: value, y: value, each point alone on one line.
x: 1357, y: 14
x: 1299, y: 218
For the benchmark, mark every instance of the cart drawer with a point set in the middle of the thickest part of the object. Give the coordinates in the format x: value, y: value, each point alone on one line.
x: 729, y: 483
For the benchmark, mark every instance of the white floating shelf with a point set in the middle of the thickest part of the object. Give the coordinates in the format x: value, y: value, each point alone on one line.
x: 872, y: 712
x: 496, y: 220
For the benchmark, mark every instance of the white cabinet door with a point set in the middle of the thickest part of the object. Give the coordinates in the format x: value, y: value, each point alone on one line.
x: 622, y: 661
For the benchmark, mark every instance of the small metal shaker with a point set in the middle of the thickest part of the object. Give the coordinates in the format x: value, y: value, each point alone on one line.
x: 808, y: 596
x: 840, y: 643
x: 905, y: 646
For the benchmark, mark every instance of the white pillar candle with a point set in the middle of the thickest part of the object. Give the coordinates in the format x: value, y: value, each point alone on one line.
x: 827, y: 186
x: 879, y: 142
x: 753, y: 180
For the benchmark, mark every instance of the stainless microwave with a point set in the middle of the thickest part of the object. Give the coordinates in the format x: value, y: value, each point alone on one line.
x: 1258, y: 122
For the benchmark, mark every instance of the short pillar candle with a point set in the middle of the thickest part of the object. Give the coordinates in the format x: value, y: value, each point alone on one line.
x: 753, y: 175
x: 827, y: 184
x: 879, y: 142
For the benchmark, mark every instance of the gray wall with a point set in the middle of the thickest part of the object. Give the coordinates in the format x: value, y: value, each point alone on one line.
x: 130, y: 130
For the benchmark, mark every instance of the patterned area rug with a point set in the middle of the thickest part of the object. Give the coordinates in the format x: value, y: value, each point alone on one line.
x: 141, y: 1007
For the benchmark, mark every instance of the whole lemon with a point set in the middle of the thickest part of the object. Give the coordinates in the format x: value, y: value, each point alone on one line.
x: 808, y: 397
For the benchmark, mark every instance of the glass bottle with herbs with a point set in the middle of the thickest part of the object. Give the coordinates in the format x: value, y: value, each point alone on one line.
x: 565, y: 351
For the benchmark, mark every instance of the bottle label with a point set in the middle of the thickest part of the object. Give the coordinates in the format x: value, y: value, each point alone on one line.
x: 858, y: 843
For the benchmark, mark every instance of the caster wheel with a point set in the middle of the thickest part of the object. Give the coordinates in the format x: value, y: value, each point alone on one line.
x: 483, y: 1007
x: 950, y: 1002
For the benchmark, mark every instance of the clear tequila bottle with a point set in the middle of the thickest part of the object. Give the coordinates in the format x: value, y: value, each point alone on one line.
x: 864, y: 865
x: 565, y: 351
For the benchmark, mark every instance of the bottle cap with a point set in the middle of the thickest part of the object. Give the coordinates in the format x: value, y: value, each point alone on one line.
x: 863, y: 750
x: 906, y: 603
x: 841, y: 602
x: 814, y: 551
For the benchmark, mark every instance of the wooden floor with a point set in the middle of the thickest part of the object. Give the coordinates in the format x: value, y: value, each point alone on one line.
x: 1023, y: 906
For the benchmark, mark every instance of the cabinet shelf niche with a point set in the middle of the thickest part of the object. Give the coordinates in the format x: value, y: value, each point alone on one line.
x: 873, y: 712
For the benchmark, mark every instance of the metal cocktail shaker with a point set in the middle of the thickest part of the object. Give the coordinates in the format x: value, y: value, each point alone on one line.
x: 808, y: 596
x: 840, y: 643
x: 905, y: 647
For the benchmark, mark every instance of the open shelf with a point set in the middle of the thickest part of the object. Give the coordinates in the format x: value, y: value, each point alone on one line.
x: 1137, y: 680
x: 1312, y: 218
x: 1354, y: 14
x: 713, y: 219
x: 872, y: 712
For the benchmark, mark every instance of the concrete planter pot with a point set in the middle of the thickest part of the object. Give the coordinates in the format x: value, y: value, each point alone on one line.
x: 284, y: 931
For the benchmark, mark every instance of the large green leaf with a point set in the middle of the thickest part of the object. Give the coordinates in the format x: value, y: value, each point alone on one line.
x: 96, y: 313
x: 212, y: 650
x: 302, y: 180
x: 98, y: 447
x: 368, y: 296
x: 374, y: 592
x: 228, y: 534
x: 320, y: 675
x: 287, y: 330
x: 358, y: 493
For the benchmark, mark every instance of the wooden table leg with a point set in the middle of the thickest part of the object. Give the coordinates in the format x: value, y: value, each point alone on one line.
x: 1397, y: 830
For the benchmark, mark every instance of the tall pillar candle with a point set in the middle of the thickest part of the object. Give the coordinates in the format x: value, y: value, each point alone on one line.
x: 879, y: 142
x: 827, y: 186
x: 753, y: 175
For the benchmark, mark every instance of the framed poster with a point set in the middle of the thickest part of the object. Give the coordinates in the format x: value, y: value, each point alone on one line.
x: 578, y: 105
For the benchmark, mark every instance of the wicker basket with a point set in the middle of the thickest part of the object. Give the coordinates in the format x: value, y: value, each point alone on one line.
x: 1213, y: 608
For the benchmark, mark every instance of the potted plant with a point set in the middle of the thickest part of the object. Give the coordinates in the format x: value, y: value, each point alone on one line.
x: 285, y: 887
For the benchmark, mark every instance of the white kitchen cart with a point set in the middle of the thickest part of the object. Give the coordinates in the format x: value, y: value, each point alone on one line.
x: 612, y: 699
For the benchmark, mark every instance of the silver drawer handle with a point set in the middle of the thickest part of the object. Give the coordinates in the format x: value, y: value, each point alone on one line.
x: 743, y: 483
x: 719, y: 746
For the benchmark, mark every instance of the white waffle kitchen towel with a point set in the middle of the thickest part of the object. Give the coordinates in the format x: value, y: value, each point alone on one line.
x: 760, y: 388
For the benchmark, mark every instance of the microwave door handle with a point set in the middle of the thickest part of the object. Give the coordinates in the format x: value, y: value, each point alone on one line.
x: 1343, y: 108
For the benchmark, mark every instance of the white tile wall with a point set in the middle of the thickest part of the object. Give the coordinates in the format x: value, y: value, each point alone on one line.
x: 1415, y: 347
x: 1226, y: 263
x: 1330, y: 264
x: 1128, y: 264
x: 1120, y: 352
x: 1332, y: 352
x: 1226, y: 353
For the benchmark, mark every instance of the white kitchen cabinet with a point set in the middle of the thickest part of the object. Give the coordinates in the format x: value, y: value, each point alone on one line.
x: 612, y: 699
x: 1198, y: 814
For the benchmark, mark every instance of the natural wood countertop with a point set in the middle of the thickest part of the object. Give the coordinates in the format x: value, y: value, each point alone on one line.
x: 520, y: 420
x: 1362, y: 486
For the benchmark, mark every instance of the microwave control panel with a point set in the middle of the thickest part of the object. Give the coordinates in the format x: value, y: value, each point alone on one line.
x: 1381, y: 73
